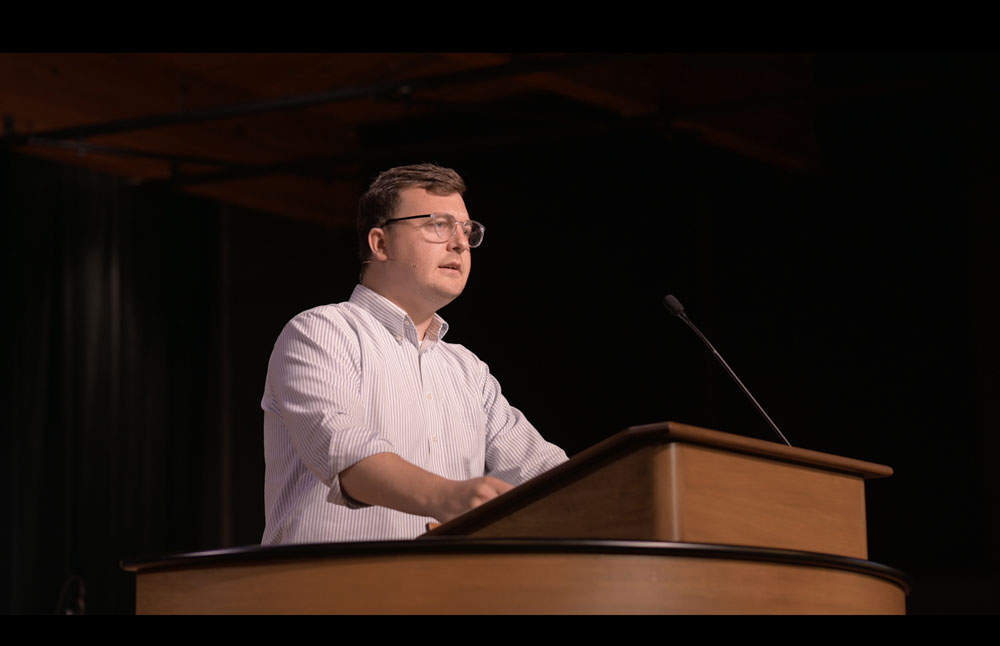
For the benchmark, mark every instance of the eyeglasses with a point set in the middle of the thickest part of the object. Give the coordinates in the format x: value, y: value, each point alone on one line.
x: 442, y: 227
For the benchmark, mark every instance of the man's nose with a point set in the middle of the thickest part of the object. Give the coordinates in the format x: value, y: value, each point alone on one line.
x: 459, y: 238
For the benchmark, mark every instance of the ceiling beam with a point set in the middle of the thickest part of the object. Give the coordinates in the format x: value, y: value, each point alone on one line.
x: 389, y: 89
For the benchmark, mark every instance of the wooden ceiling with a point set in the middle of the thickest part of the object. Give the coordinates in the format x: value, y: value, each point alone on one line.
x: 294, y: 134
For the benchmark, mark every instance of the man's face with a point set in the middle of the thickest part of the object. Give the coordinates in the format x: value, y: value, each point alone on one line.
x: 427, y: 272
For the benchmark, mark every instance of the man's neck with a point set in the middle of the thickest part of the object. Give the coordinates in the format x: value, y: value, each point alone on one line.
x: 421, y: 325
x: 421, y: 320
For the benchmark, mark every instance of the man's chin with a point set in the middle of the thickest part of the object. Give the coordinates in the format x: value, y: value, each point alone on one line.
x: 446, y: 293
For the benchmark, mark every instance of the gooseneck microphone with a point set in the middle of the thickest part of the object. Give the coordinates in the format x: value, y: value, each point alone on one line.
x: 674, y: 307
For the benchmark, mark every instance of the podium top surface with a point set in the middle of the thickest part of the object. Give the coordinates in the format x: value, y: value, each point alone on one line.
x: 665, y: 432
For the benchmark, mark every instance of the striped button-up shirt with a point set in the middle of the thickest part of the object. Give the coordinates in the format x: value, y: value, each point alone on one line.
x: 350, y: 380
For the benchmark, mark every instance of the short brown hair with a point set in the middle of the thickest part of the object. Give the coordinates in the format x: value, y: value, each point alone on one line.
x: 380, y: 201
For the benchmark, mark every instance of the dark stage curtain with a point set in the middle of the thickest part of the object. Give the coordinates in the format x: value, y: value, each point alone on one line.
x: 112, y: 361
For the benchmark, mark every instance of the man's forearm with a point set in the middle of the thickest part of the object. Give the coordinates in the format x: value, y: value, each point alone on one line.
x: 387, y: 480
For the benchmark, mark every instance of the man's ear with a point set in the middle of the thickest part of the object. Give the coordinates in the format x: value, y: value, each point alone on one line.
x: 376, y: 242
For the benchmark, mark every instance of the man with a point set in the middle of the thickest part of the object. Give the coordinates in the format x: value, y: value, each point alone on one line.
x: 374, y: 426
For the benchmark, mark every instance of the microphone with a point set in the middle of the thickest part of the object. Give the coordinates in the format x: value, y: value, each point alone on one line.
x: 674, y: 307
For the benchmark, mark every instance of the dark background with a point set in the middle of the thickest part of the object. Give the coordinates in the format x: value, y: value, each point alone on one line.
x: 857, y: 303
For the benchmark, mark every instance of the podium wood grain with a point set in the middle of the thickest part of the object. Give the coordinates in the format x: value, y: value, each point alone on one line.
x: 517, y: 584
x: 682, y: 483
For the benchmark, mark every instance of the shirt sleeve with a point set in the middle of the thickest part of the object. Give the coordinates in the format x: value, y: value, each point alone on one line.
x: 515, y: 451
x: 315, y: 377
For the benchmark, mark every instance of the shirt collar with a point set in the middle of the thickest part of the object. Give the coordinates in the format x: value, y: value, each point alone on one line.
x: 394, y: 318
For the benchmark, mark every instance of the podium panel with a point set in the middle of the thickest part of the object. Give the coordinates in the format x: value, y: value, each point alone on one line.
x: 466, y: 576
x: 672, y: 482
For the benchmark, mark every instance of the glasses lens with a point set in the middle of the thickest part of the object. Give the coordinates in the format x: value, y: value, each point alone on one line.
x: 475, y: 232
x: 445, y: 226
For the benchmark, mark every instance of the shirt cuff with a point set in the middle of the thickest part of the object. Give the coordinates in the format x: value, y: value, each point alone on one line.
x: 348, y: 457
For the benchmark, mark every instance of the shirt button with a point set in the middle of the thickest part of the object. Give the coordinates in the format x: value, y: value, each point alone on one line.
x: 435, y: 439
x: 399, y: 338
x: 429, y: 396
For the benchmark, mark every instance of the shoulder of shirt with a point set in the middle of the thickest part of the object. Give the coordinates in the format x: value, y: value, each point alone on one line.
x: 464, y: 355
x: 344, y: 316
x: 335, y: 312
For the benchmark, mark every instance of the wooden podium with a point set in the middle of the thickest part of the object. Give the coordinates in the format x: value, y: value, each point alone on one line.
x: 664, y: 518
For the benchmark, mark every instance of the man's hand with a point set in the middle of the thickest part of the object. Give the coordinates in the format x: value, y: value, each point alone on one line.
x: 459, y: 496
x: 387, y: 480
